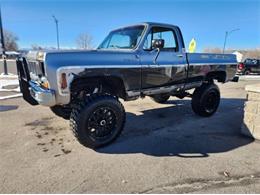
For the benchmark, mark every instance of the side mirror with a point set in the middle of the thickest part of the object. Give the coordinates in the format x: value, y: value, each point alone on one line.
x: 157, y: 43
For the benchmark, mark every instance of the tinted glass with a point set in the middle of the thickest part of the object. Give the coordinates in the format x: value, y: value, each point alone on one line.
x: 168, y: 35
x: 126, y: 38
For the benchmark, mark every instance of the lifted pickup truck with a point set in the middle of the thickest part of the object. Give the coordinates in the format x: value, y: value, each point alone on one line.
x: 147, y: 59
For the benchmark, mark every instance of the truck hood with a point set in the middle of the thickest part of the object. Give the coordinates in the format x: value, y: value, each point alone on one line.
x: 56, y: 59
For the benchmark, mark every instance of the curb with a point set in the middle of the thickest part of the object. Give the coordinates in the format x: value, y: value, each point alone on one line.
x: 250, y: 78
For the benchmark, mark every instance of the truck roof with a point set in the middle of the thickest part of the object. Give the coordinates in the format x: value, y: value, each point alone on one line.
x: 158, y: 24
x: 149, y: 24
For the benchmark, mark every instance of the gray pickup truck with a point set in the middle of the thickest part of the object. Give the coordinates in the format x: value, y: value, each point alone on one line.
x: 147, y: 59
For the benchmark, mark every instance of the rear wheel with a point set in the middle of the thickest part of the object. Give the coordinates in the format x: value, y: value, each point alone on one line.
x: 160, y: 98
x: 205, y: 99
x: 98, y: 120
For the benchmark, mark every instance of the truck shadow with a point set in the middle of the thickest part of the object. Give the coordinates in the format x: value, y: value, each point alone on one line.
x: 177, y: 131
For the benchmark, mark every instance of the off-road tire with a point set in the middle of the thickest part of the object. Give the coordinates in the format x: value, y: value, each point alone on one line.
x: 206, y: 99
x: 61, y: 111
x: 84, y: 111
x: 160, y: 98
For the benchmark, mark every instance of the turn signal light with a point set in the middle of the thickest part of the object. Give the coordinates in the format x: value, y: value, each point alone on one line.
x: 45, y: 84
x: 63, y: 81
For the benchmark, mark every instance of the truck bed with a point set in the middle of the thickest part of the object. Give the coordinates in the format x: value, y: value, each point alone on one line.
x: 202, y: 63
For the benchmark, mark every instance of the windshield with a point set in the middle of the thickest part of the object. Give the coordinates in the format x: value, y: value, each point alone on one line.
x: 251, y: 61
x: 125, y: 38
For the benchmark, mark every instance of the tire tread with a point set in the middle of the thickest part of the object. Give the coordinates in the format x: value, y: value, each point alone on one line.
x: 84, y: 104
x: 197, y: 98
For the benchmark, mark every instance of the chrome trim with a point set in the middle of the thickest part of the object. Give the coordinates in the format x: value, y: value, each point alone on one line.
x: 45, y: 97
x: 159, y: 90
x: 139, y: 66
x: 156, y: 90
x: 212, y: 64
x: 167, y: 89
x: 118, y: 66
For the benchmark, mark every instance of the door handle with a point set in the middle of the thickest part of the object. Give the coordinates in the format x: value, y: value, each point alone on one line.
x: 180, y: 55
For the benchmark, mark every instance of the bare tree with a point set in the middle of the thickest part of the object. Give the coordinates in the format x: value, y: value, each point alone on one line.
x: 10, y: 41
x: 247, y: 53
x: 212, y: 50
x: 36, y: 47
x: 84, y: 41
x: 252, y: 53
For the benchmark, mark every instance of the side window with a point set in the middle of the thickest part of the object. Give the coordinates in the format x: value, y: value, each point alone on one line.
x: 168, y: 35
x: 148, y: 42
x: 254, y: 62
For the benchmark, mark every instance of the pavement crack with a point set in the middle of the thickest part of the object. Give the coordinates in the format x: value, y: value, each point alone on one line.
x: 192, y: 185
x: 78, y: 185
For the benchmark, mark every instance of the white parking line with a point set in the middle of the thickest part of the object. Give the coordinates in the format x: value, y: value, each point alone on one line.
x: 10, y: 96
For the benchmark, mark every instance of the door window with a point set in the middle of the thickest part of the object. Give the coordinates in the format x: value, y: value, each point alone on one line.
x: 168, y: 35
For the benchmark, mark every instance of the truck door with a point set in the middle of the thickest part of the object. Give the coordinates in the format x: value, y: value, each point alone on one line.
x: 170, y: 67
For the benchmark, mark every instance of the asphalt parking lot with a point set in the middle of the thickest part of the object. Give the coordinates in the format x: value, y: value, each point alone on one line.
x: 165, y: 148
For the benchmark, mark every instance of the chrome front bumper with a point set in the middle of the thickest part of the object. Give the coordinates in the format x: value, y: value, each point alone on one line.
x: 45, y: 97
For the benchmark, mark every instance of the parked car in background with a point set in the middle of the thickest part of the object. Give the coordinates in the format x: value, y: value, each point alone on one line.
x: 249, y: 66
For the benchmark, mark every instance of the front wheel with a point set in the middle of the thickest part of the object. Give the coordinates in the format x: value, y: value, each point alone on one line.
x: 205, y: 99
x: 98, y: 120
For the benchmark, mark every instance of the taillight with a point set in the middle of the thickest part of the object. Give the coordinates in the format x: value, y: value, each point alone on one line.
x: 240, y: 66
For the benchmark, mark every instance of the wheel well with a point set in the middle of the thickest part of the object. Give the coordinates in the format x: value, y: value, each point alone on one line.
x: 112, y: 85
x: 220, y: 76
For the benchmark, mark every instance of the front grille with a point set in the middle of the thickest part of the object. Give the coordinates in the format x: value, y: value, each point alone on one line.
x: 36, y: 68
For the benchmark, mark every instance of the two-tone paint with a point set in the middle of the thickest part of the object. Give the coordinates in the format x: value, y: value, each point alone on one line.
x: 137, y: 68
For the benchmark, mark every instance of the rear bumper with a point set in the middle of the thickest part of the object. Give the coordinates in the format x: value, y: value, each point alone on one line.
x: 240, y: 71
x: 32, y: 92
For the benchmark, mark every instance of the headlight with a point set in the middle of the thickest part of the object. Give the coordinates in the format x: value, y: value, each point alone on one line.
x: 40, y: 55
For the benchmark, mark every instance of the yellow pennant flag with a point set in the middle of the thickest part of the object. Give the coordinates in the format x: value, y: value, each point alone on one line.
x: 192, y: 45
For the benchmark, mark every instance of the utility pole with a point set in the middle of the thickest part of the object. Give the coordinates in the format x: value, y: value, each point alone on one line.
x: 226, y: 36
x: 57, y: 31
x: 3, y: 44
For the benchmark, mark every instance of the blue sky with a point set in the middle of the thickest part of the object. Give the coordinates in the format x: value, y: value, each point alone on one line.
x: 204, y: 20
